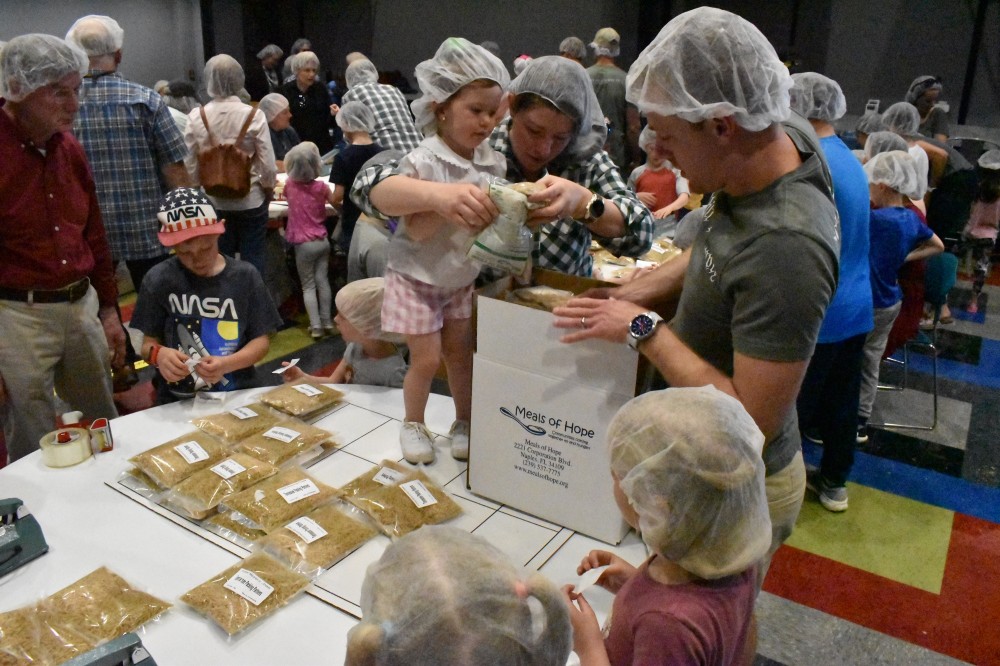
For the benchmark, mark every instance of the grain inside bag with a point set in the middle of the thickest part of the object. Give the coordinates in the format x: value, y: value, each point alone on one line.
x: 273, y: 502
x: 198, y: 495
x: 320, y: 538
x: 302, y: 399
x: 171, y: 462
x: 402, y: 505
x: 284, y: 441
x: 238, y: 423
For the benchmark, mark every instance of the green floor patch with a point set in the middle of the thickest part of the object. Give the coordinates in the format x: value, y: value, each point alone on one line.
x: 884, y: 534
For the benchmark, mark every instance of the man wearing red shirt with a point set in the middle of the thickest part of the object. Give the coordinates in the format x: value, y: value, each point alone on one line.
x: 59, y: 330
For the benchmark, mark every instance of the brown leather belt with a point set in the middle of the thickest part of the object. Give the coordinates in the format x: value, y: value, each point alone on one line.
x: 70, y: 294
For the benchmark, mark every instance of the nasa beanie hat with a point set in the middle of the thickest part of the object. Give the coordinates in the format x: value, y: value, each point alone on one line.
x: 186, y: 213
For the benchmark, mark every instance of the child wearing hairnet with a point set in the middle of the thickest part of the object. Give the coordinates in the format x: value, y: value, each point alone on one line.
x: 688, y: 475
x: 306, y: 232
x: 980, y: 233
x: 659, y: 186
x: 357, y: 121
x: 897, y: 236
x: 372, y: 357
x: 429, y: 277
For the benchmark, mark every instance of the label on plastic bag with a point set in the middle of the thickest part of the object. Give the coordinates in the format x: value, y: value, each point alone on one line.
x: 388, y: 476
x: 294, y: 492
x: 307, y: 389
x: 228, y: 468
x: 250, y: 586
x: 418, y: 492
x: 286, y: 435
x: 243, y: 413
x: 307, y: 529
x: 191, y: 452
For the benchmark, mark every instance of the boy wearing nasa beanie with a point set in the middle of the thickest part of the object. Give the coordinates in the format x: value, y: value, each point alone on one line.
x: 207, y: 318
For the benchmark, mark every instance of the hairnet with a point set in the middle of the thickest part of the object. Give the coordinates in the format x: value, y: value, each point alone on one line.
x: 883, y: 142
x: 457, y: 63
x: 272, y: 104
x: 897, y: 170
x: 302, y: 162
x: 299, y: 44
x: 710, y: 63
x: 32, y: 61
x: 520, y: 62
x: 491, y: 46
x: 573, y: 46
x: 647, y: 138
x: 356, y: 117
x: 606, y: 43
x: 920, y: 85
x: 870, y: 123
x: 162, y: 87
x: 361, y: 302
x: 181, y: 95
x: 269, y: 51
x: 902, y: 118
x: 566, y: 85
x: 441, y: 595
x: 304, y: 59
x: 96, y: 35
x: 223, y: 76
x: 360, y: 71
x: 689, y: 462
x: 818, y: 97
x: 990, y: 159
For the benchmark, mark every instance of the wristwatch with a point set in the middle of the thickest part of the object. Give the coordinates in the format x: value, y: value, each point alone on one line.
x: 643, y: 326
x: 594, y: 209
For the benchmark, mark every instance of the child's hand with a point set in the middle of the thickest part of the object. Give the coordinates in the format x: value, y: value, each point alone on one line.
x: 211, y: 369
x: 172, y: 364
x: 588, y: 643
x: 463, y: 204
x: 292, y: 374
x: 617, y: 573
x: 663, y: 212
x: 647, y: 198
x: 334, y: 109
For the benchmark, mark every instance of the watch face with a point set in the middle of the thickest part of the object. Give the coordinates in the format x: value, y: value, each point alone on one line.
x: 641, y: 326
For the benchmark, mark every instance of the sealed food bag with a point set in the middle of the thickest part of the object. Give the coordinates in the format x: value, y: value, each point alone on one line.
x: 230, y: 529
x: 27, y: 636
x: 386, y: 473
x: 277, y: 500
x: 304, y: 399
x: 320, y: 538
x: 246, y: 592
x: 413, y: 502
x: 285, y: 440
x: 198, y: 495
x: 171, y: 462
x: 540, y: 297
x: 238, y: 423
x: 141, y: 483
x: 506, y: 244
x: 101, y: 605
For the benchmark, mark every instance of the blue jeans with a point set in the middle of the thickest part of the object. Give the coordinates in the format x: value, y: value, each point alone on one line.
x: 246, y: 231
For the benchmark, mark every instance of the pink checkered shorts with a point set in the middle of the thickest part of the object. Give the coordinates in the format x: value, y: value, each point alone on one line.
x: 412, y: 307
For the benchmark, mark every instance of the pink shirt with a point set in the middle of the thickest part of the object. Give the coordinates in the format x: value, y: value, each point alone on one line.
x: 306, y: 211
x: 983, y: 220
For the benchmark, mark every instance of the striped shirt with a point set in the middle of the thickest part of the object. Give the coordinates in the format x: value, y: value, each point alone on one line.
x: 394, y: 127
x: 129, y: 135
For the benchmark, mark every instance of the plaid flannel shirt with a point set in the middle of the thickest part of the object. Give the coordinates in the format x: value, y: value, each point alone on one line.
x: 394, y: 127
x: 128, y: 134
x: 562, y: 245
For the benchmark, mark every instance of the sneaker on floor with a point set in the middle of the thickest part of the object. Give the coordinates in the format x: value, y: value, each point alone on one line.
x: 316, y: 333
x: 833, y: 498
x: 862, y: 432
x: 417, y: 443
x: 459, y: 435
x: 812, y: 435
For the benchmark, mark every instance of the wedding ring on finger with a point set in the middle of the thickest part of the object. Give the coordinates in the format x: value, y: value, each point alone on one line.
x: 583, y: 322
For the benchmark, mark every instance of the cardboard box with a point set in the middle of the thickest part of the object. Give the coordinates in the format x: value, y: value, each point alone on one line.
x: 540, y: 411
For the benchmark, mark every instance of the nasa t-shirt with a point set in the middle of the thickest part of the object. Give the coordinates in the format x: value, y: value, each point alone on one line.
x: 205, y: 316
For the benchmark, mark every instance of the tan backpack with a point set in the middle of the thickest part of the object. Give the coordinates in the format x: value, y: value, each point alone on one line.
x: 224, y: 169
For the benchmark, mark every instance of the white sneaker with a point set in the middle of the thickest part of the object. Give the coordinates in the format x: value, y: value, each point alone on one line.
x: 417, y: 443
x: 459, y: 434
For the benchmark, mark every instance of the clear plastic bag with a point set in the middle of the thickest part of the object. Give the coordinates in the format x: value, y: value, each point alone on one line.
x: 198, y: 495
x: 320, y: 538
x: 171, y: 462
x: 275, y: 501
x: 303, y: 399
x: 387, y: 472
x: 232, y: 530
x: 141, y: 483
x: 403, y: 505
x: 238, y: 423
x: 28, y: 636
x: 506, y: 244
x: 285, y: 440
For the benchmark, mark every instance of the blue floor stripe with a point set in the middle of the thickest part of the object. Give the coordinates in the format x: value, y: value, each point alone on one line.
x: 918, y: 484
x: 987, y: 373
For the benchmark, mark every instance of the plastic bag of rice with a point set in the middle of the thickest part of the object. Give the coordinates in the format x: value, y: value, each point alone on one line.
x: 320, y: 538
x: 171, y: 462
x: 284, y: 440
x: 238, y: 423
x: 27, y: 636
x: 246, y: 592
x: 302, y: 398
x: 401, y: 507
x: 232, y: 530
x: 199, y: 494
x: 280, y: 498
x: 386, y: 473
x: 140, y: 483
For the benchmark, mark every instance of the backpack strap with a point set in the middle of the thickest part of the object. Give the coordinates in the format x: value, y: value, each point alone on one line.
x: 204, y: 119
x: 246, y: 126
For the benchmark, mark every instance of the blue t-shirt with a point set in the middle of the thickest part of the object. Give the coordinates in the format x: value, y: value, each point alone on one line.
x: 895, y: 232
x: 850, y: 312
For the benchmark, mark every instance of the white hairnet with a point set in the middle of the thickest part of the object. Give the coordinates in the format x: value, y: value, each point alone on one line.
x: 355, y: 55
x: 304, y: 59
x: 689, y: 462
x: 902, y: 118
x: 520, y: 62
x: 162, y: 87
x: 816, y: 96
x: 356, y: 117
x: 299, y: 44
x: 565, y: 84
x: 491, y: 46
x: 96, y: 35
x: 457, y: 63
x: 606, y: 43
x: 647, y: 138
x: 441, y: 595
x: 921, y: 85
x: 272, y: 104
x: 360, y: 71
x: 302, y: 162
x: 361, y: 302
x: 897, y: 170
x: 990, y: 159
x: 573, y: 46
x: 883, y: 142
x: 870, y: 123
x: 30, y: 62
x: 223, y: 76
x: 710, y: 63
x: 271, y: 50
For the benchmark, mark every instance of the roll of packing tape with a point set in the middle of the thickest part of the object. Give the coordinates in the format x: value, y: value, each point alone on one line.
x: 73, y: 451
